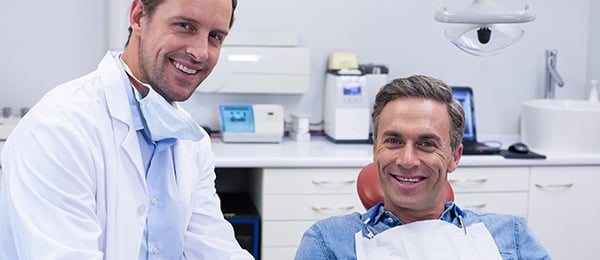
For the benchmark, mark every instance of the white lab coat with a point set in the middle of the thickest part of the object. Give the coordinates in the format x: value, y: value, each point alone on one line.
x: 74, y: 185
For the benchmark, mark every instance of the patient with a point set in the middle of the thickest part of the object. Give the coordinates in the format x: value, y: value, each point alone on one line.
x: 416, y: 142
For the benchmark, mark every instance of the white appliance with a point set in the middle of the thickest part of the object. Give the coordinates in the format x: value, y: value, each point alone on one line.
x: 260, y: 63
x: 377, y: 77
x: 251, y: 123
x: 346, y: 101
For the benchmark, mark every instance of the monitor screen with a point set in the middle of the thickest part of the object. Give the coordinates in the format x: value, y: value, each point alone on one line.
x: 237, y: 118
x: 464, y: 95
x: 352, y: 88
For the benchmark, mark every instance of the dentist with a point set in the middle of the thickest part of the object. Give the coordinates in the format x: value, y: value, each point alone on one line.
x: 108, y: 166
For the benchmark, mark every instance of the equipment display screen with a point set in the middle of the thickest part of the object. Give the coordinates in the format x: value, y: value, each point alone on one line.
x: 465, y: 98
x: 352, y: 88
x: 237, y: 119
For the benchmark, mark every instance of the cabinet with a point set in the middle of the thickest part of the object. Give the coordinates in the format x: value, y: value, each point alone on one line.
x: 491, y: 189
x: 564, y: 211
x: 294, y: 198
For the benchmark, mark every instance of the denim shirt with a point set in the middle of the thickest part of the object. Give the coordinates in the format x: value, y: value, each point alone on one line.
x: 333, y: 237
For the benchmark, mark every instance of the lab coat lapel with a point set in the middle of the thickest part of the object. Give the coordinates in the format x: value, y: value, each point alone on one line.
x: 128, y: 191
x: 118, y: 106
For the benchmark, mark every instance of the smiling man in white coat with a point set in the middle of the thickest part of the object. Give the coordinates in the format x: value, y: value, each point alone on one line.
x: 108, y: 166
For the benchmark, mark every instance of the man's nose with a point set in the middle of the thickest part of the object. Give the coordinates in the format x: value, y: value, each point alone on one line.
x: 407, y: 157
x: 198, y: 49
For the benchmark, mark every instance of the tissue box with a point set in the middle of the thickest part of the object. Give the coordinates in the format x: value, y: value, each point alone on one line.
x: 300, y: 123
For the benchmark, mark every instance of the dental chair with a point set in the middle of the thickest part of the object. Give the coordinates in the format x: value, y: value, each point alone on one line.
x: 370, y: 191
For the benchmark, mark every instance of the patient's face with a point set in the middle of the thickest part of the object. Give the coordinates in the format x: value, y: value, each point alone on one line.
x: 413, y: 153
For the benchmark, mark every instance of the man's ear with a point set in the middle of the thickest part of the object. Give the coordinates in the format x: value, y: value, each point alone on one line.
x: 453, y: 164
x: 135, y: 15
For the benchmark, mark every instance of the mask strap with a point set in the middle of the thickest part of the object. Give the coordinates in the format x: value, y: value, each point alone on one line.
x: 138, y: 96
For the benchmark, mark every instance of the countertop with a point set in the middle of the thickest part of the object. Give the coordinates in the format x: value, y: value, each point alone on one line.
x: 320, y: 152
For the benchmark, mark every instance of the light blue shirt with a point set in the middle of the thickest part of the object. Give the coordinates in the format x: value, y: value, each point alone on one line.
x: 333, y: 237
x: 162, y: 238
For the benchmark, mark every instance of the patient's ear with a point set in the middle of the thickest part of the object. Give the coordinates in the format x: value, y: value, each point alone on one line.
x: 456, y: 155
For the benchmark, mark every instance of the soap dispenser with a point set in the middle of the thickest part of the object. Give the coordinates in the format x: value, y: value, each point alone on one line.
x: 593, y: 91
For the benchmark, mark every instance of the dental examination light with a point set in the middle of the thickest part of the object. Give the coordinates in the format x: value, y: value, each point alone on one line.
x: 485, y: 27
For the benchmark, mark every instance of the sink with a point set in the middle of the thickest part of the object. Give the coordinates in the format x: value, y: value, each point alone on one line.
x: 554, y: 126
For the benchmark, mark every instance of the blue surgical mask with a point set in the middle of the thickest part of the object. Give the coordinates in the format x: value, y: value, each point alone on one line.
x: 164, y: 120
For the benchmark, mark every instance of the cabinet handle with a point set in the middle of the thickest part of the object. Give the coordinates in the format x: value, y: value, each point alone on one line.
x: 468, y: 181
x: 554, y: 186
x: 474, y: 206
x: 329, y: 209
x: 321, y: 182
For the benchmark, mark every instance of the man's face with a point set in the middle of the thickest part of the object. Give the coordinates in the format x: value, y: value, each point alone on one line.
x: 180, y: 44
x: 413, y: 153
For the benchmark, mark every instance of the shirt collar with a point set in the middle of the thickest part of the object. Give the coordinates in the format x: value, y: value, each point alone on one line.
x: 450, y: 214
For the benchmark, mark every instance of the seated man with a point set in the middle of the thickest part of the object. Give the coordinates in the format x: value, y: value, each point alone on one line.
x: 417, y: 137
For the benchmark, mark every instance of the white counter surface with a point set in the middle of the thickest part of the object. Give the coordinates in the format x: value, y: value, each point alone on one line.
x: 320, y: 152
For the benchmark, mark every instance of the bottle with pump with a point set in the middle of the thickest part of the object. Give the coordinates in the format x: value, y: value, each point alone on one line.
x: 593, y: 91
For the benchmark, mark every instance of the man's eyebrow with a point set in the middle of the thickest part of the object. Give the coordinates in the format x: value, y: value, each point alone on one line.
x: 430, y: 136
x: 186, y: 19
x: 391, y: 133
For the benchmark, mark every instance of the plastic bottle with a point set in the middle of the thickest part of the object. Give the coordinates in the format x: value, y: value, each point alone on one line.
x: 593, y: 91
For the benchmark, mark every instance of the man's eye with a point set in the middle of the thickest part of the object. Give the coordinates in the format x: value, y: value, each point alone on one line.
x: 391, y: 141
x: 427, y: 145
x: 215, y: 36
x: 184, y: 26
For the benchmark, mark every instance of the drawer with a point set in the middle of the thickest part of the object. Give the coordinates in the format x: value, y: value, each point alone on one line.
x: 489, y: 179
x: 513, y: 203
x: 308, y: 207
x: 283, y: 233
x: 309, y: 180
x: 277, y: 253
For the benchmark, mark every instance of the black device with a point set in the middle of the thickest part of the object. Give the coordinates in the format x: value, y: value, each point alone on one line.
x: 239, y: 210
x: 471, y: 146
x: 518, y: 148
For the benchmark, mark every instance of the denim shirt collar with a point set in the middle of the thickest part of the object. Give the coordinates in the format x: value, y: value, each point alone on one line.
x: 384, y: 219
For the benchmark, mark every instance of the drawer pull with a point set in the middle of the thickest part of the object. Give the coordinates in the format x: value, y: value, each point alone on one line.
x: 329, y: 209
x: 474, y: 206
x: 468, y: 181
x: 317, y: 182
x: 554, y: 186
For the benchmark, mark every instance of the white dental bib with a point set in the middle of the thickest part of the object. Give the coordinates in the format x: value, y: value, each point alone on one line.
x: 428, y: 239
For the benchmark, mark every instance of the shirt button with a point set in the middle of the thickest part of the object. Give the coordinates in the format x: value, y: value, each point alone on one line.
x: 141, y: 210
x: 154, y: 201
x: 154, y: 250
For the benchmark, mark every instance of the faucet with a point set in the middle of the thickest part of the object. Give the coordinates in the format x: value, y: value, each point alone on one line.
x: 552, y: 76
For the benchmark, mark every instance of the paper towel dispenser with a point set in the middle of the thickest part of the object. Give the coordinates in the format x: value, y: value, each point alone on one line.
x: 260, y: 70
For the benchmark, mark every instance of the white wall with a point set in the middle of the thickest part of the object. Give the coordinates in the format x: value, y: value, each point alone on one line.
x: 46, y: 43
x: 594, y: 42
x: 67, y: 38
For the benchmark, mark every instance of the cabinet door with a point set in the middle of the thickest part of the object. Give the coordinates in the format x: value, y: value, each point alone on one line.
x: 513, y: 203
x: 564, y: 211
x: 489, y: 179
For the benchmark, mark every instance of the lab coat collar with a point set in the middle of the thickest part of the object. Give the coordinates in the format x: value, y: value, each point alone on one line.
x: 116, y: 87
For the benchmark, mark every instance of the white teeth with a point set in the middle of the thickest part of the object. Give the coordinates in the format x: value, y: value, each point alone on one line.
x: 184, y: 68
x: 411, y: 180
